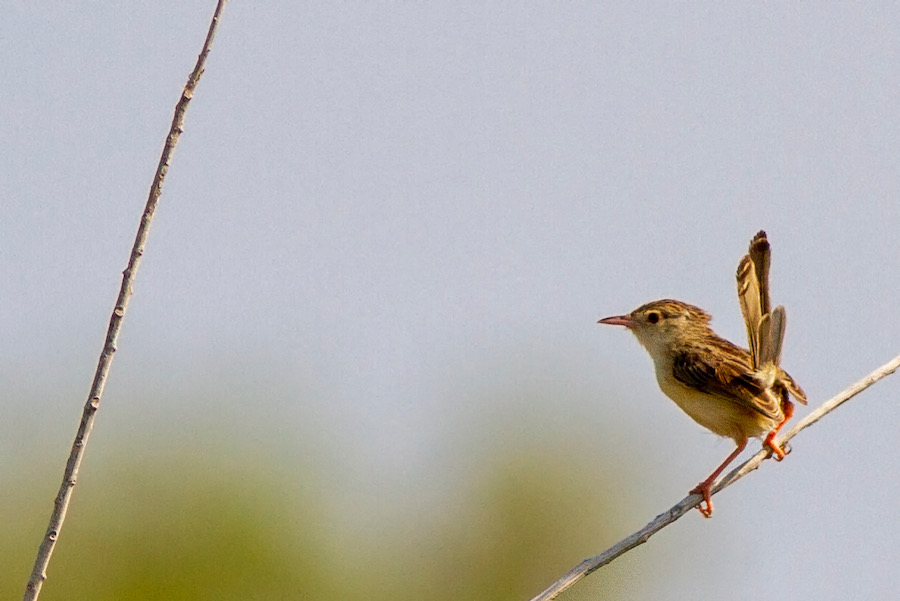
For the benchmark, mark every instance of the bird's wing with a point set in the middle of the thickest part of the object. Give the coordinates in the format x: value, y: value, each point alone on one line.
x: 729, y: 376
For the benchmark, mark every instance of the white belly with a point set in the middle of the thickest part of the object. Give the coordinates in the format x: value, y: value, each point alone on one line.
x: 719, y: 415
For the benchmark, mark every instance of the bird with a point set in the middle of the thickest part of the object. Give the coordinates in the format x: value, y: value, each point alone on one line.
x: 734, y: 392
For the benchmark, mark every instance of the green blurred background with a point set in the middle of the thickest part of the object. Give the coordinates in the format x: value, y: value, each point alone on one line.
x: 216, y: 498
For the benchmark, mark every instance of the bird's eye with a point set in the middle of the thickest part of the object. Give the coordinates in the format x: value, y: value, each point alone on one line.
x: 653, y: 316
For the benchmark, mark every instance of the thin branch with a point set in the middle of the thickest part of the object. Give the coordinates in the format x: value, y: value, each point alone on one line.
x: 685, y: 505
x: 70, y: 476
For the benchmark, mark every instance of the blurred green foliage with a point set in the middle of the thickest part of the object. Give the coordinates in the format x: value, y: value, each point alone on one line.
x: 212, y: 500
x: 199, y: 529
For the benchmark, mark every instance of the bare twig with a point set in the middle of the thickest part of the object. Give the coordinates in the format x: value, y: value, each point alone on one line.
x: 70, y: 476
x: 685, y: 505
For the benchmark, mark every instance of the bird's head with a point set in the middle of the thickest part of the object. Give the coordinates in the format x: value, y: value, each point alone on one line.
x: 660, y: 324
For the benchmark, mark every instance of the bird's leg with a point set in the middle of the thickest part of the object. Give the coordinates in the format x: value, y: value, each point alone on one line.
x: 704, y: 487
x: 787, y: 408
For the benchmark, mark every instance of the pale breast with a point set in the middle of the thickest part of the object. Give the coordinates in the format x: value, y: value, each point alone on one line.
x: 717, y: 414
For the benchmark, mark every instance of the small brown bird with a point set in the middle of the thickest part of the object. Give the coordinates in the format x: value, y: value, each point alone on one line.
x: 733, y: 392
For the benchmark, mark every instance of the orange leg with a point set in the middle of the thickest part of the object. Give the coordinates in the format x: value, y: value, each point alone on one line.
x: 703, y: 487
x: 788, y: 408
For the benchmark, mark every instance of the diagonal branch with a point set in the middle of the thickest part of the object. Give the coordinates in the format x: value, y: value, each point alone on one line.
x: 685, y: 505
x: 70, y: 476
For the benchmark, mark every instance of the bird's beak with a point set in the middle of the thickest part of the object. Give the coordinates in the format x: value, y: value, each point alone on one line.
x: 620, y: 320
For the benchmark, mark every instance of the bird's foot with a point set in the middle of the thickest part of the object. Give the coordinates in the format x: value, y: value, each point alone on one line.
x: 703, y: 489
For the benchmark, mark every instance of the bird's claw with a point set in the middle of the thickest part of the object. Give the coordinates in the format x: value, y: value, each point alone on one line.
x: 707, y: 500
x: 775, y: 451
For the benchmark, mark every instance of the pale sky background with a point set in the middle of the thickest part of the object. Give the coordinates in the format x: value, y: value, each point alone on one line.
x: 396, y: 208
